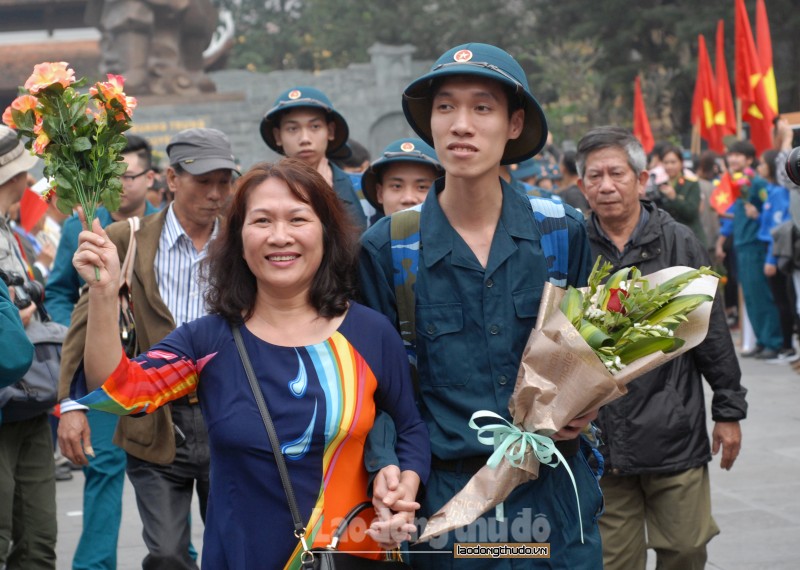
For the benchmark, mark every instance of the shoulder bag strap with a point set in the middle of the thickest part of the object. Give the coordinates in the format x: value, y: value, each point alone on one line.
x: 126, y: 271
x: 299, y: 528
x: 405, y: 235
x: 551, y: 221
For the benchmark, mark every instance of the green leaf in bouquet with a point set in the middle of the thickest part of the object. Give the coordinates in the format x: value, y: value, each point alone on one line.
x: 119, y: 167
x: 77, y: 110
x: 647, y: 346
x: 81, y: 144
x: 118, y: 143
x: 593, y: 336
x: 110, y: 199
x: 24, y: 121
x: 679, y: 282
x: 676, y: 308
x: 572, y: 306
x: 65, y: 205
x: 64, y: 180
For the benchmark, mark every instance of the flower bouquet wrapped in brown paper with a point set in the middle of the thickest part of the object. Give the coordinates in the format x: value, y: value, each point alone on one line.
x: 587, y: 345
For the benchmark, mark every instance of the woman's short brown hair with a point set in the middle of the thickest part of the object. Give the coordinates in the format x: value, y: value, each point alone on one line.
x: 232, y: 286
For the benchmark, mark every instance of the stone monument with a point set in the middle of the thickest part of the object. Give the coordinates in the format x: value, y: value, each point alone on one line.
x: 157, y: 45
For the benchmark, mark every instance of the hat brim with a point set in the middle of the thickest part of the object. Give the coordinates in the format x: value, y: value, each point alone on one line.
x: 23, y: 163
x: 417, y: 106
x: 205, y: 165
x: 270, y: 122
x: 369, y: 180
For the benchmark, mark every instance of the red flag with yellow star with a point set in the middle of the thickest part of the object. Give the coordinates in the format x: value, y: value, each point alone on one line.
x: 641, y: 124
x: 704, y: 102
x: 724, y: 194
x: 764, y: 47
x: 750, y: 86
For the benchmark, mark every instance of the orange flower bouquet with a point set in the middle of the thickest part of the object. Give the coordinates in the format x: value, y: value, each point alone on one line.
x: 79, y: 135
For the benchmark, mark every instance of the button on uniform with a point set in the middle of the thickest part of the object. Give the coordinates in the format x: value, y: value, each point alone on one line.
x: 489, y: 283
x: 494, y: 329
x: 502, y: 380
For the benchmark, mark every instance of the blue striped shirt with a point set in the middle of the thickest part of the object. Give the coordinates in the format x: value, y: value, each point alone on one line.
x: 177, y: 271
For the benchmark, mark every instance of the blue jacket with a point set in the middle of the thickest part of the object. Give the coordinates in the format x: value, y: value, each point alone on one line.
x: 16, y: 351
x: 773, y: 214
x: 347, y: 194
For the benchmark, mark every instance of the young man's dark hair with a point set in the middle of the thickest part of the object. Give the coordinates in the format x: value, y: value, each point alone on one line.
x: 356, y: 158
x: 743, y: 147
x: 141, y: 147
x: 568, y: 163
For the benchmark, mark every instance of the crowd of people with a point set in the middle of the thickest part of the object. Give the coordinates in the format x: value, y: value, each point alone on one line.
x: 381, y: 302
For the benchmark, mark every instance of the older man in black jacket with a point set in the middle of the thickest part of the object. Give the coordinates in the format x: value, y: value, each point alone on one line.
x: 656, y: 444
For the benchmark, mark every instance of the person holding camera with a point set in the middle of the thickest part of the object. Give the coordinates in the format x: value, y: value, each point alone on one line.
x: 27, y: 481
x: 679, y: 195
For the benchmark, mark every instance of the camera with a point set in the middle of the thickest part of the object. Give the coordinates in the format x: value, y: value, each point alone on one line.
x: 793, y: 165
x: 25, y: 292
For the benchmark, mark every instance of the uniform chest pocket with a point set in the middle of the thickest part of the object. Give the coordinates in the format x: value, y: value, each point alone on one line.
x: 526, y: 302
x: 434, y: 321
x: 439, y: 339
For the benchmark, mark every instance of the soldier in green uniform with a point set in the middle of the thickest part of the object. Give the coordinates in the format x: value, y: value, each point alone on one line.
x: 303, y: 124
x: 480, y: 276
x: 401, y: 177
x: 680, y: 195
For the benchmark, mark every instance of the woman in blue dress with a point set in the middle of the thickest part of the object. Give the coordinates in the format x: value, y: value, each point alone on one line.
x: 282, y: 269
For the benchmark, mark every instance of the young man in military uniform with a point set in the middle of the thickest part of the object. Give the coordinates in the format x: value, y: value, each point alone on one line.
x: 402, y: 176
x: 303, y: 124
x: 480, y: 277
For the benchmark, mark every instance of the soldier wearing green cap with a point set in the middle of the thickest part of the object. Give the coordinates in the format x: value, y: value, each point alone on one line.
x: 476, y: 292
x: 303, y: 124
x: 401, y: 177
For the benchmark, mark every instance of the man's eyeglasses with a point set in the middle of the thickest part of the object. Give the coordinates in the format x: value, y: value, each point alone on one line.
x: 132, y: 177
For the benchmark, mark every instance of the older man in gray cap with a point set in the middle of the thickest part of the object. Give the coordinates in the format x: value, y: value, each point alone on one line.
x: 27, y: 483
x: 167, y: 450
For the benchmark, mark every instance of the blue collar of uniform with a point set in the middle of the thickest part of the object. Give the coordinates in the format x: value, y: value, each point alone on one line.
x: 437, y: 235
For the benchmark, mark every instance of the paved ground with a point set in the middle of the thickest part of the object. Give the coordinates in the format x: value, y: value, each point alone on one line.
x: 757, y: 504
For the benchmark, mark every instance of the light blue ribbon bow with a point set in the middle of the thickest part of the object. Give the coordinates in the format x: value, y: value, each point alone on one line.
x: 512, y: 443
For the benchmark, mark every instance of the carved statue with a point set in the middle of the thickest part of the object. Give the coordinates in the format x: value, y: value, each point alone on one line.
x: 157, y: 45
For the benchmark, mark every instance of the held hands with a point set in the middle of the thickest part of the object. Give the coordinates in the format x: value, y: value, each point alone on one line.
x: 96, y: 252
x: 393, y: 497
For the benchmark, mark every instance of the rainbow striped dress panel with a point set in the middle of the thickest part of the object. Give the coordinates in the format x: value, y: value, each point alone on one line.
x: 322, y: 399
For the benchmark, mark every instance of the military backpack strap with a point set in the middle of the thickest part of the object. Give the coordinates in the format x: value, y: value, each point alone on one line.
x: 405, y: 236
x: 551, y: 221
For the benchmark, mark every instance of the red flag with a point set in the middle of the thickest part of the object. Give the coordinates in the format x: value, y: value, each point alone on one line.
x: 724, y: 194
x: 704, y: 103
x: 764, y: 45
x: 31, y: 209
x: 725, y: 118
x: 750, y: 83
x: 641, y: 125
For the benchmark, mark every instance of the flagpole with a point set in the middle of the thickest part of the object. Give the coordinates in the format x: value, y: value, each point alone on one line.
x: 739, y: 127
x: 695, y: 146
